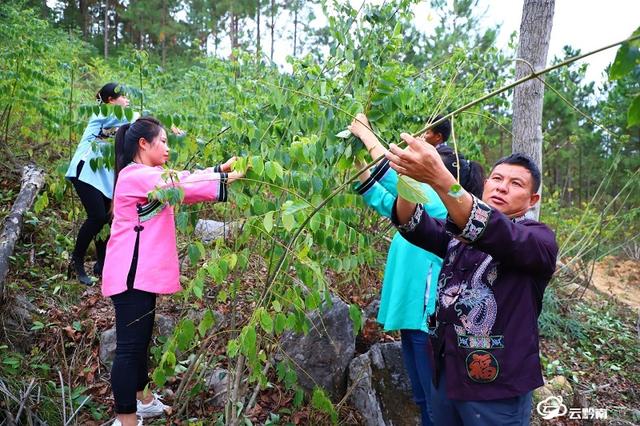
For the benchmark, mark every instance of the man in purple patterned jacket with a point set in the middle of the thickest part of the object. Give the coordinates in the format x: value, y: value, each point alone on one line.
x: 497, y: 264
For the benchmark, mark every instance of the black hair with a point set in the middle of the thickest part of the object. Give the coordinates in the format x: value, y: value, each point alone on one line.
x: 127, y: 137
x: 109, y: 90
x: 443, y: 128
x: 523, y: 160
x: 471, y: 172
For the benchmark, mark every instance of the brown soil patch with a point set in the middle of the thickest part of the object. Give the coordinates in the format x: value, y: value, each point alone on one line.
x: 618, y: 278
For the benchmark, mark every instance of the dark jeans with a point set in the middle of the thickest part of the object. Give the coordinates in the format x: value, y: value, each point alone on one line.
x: 416, y: 351
x: 514, y: 411
x: 97, y: 207
x: 135, y: 315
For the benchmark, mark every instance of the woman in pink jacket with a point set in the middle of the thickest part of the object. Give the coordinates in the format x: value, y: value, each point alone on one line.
x: 142, y: 259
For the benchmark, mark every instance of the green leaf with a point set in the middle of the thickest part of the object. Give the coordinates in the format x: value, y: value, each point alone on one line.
x: 627, y: 57
x: 314, y: 223
x: 266, y: 322
x: 37, y: 325
x: 42, y: 203
x: 291, y: 208
x: 159, y: 377
x: 257, y: 165
x: 118, y: 112
x: 248, y: 338
x: 342, y: 231
x: 298, y: 398
x: 343, y: 134
x: 633, y: 115
x: 232, y: 348
x: 128, y: 113
x: 270, y: 170
x: 267, y: 221
x: 288, y: 221
x: 240, y: 165
x: 206, y: 323
x: 280, y: 323
x: 186, y: 333
x: 356, y: 316
x: 321, y: 402
x: 197, y: 286
x: 411, y: 190
x: 194, y: 253
x: 182, y: 221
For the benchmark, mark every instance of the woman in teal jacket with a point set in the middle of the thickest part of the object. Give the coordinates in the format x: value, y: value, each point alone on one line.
x: 411, y: 273
x: 92, y: 179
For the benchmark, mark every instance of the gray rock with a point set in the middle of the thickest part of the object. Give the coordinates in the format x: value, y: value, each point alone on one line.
x: 196, y: 315
x: 209, y: 230
x: 217, y: 382
x: 108, y: 346
x: 371, y: 311
x: 381, y: 387
x: 165, y: 325
x: 322, y: 357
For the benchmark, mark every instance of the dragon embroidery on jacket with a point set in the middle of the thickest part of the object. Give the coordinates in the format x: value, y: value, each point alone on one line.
x: 474, y: 302
x: 477, y: 307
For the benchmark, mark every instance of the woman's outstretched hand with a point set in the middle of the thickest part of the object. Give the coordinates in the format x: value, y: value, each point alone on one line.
x: 177, y: 131
x: 234, y: 175
x: 227, y: 166
x: 360, y: 126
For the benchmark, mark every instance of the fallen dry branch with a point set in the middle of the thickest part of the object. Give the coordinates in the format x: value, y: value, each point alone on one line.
x: 32, y: 182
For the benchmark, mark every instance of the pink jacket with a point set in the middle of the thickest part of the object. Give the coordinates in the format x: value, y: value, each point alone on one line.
x: 134, y: 216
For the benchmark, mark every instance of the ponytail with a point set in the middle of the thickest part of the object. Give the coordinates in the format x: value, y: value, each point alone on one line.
x: 475, y: 182
x: 127, y: 137
x: 471, y: 172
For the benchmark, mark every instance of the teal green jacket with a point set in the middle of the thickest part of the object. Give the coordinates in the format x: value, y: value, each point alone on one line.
x: 405, y: 303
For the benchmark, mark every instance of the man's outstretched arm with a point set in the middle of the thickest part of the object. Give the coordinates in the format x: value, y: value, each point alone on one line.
x: 422, y: 162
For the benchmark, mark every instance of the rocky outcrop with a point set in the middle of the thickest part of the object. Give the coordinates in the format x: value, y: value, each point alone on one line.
x: 380, y: 387
x: 322, y: 357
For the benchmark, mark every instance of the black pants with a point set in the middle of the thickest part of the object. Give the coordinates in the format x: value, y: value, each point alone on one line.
x: 135, y: 315
x: 97, y: 207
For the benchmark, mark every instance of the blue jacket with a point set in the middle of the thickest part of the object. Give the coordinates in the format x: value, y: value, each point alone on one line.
x: 94, y: 141
x: 404, y: 287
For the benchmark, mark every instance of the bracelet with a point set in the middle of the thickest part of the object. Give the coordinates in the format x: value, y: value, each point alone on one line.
x: 372, y: 148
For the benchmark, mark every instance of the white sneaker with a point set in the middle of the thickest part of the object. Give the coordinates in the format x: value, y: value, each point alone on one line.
x: 152, y: 409
x: 117, y: 422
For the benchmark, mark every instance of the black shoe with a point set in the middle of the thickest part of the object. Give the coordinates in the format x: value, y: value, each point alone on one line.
x: 97, y: 268
x: 76, y: 266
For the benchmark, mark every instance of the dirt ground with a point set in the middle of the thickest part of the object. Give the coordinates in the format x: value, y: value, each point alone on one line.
x: 618, y: 278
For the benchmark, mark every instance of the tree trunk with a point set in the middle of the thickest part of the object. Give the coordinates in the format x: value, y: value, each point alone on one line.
x: 106, y: 29
x: 535, y: 31
x: 84, y: 18
x: 273, y: 25
x: 295, y: 27
x: 233, y: 33
x: 115, y: 26
x: 214, y: 27
x: 258, y: 30
x: 163, y: 36
x: 32, y: 181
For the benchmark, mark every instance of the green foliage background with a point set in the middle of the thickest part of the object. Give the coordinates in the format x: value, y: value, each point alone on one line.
x: 283, y: 126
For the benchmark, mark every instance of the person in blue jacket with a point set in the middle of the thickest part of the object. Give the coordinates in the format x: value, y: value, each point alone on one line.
x: 411, y: 273
x: 93, y: 179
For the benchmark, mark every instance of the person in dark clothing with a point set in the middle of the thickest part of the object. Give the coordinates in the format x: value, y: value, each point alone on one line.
x: 497, y: 264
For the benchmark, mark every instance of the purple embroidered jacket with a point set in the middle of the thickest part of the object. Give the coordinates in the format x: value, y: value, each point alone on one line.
x: 484, y: 332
